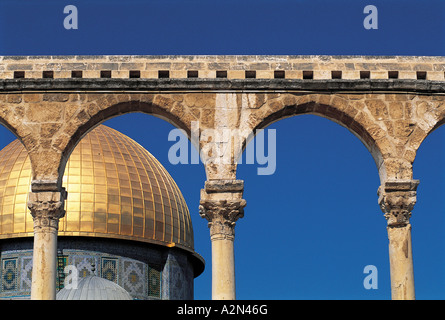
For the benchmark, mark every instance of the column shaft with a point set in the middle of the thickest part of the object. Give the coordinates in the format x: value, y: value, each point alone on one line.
x: 223, y: 270
x: 43, y: 285
x: 222, y: 215
x: 397, y: 200
x: 401, y: 263
x: 46, y: 209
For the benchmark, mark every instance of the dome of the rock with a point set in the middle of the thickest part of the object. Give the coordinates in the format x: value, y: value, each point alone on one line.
x: 122, y: 205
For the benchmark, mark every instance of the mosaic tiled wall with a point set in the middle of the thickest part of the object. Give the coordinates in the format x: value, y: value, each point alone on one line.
x: 177, y: 277
x: 171, y: 280
x: 16, y: 274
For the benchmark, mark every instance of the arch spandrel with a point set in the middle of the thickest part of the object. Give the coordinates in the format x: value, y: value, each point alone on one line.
x: 12, y: 116
x: 430, y: 114
x: 423, y: 115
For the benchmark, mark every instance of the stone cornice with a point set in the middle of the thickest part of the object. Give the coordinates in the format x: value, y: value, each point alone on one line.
x: 222, y: 85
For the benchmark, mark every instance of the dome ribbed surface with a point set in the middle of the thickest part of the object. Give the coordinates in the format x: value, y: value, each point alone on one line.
x: 116, y: 189
x: 94, y: 288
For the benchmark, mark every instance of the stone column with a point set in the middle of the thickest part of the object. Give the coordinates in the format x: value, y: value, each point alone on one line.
x: 397, y: 199
x: 222, y: 215
x: 46, y: 209
x: 222, y: 205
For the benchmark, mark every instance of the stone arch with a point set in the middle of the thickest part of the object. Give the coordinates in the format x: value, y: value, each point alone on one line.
x: 342, y: 111
x: 94, y: 114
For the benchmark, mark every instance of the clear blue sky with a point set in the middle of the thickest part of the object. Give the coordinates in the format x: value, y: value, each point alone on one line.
x: 311, y: 235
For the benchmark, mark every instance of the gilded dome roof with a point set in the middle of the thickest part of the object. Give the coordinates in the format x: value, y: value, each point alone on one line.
x: 116, y: 189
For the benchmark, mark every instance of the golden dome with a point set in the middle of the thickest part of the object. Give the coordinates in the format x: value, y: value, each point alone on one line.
x: 116, y: 189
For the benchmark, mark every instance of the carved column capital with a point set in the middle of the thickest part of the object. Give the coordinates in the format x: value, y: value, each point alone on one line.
x: 397, y: 200
x: 47, y: 207
x: 222, y: 216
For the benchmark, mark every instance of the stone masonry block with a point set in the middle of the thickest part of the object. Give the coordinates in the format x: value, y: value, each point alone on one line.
x: 294, y: 74
x: 265, y: 74
x: 322, y: 75
x: 209, y: 74
x: 407, y: 75
x: 435, y: 75
x: 91, y: 74
x: 235, y: 74
x: 62, y: 74
x: 178, y: 74
x: 149, y: 74
x: 351, y: 74
x: 379, y: 74
x: 33, y: 74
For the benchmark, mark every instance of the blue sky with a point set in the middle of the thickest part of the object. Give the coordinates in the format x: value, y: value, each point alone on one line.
x: 312, y: 234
